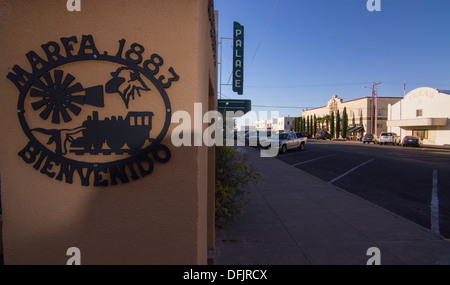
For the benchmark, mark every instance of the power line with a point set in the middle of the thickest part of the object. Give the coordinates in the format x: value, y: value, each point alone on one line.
x: 265, y: 29
x: 281, y: 107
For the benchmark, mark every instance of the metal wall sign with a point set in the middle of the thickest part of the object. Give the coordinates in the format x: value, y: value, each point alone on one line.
x: 233, y: 105
x: 73, y: 132
x: 238, y: 58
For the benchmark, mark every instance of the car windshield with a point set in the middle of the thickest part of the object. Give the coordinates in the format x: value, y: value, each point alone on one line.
x: 369, y: 136
x: 386, y: 134
x: 283, y: 136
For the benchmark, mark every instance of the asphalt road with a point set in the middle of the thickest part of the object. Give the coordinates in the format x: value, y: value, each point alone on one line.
x: 411, y: 182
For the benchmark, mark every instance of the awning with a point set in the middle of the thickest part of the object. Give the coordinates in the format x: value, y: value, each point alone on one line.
x: 355, y: 129
x: 419, y: 122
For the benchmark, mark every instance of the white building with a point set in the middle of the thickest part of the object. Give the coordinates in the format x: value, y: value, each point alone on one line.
x: 424, y: 112
x: 282, y: 124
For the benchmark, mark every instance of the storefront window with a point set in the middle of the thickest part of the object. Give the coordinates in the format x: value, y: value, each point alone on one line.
x: 420, y: 133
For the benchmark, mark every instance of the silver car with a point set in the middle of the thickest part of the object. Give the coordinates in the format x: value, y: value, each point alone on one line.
x: 389, y: 138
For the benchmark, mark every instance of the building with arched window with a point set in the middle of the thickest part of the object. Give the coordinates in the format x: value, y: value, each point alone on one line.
x: 359, y: 112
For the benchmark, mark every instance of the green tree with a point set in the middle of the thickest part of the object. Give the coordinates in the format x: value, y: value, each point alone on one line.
x: 338, y: 124
x: 344, y: 123
x: 327, y: 121
x: 332, y: 125
x: 315, y: 124
x: 307, y: 124
x: 320, y: 121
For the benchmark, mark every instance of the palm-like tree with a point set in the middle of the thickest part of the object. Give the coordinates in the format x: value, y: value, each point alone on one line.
x: 327, y: 119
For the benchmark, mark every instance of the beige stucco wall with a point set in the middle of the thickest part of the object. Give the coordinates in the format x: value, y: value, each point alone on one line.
x: 158, y: 219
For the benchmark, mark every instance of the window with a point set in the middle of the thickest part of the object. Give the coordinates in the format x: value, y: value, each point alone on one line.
x: 420, y: 133
x: 419, y: 113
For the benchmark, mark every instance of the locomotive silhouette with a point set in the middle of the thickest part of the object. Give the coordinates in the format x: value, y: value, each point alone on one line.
x: 118, y: 133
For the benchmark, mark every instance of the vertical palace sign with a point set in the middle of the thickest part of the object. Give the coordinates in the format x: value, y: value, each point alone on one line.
x: 238, y: 58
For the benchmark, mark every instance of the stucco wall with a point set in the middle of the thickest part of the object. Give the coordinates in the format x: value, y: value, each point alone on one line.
x: 157, y: 219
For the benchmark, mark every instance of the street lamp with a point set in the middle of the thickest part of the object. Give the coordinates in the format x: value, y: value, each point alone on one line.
x: 374, y: 116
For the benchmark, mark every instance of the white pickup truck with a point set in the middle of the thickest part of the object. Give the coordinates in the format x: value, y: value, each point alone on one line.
x: 286, y: 141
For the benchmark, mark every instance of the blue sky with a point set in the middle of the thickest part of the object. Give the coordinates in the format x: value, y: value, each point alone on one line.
x: 301, y: 52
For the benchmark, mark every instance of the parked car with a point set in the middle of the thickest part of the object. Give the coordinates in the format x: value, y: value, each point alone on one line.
x: 303, y: 135
x: 389, y: 138
x: 412, y: 141
x: 254, y: 139
x: 286, y: 141
x: 369, y: 138
x: 323, y: 135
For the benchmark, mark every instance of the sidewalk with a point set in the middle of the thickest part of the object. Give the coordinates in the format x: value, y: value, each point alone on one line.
x: 295, y: 218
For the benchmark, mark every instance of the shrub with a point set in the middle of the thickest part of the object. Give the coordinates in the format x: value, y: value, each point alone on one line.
x: 232, y: 178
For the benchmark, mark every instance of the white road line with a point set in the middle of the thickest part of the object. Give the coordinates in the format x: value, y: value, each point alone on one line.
x: 300, y: 163
x: 351, y: 170
x: 434, y: 205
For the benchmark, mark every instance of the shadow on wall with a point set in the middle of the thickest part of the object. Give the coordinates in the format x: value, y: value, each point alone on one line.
x: 113, y: 225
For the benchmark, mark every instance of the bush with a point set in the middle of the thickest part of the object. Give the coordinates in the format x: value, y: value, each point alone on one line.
x: 232, y: 178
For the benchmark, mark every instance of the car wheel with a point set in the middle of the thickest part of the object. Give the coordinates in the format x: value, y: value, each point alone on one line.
x: 283, y: 149
x: 301, y: 147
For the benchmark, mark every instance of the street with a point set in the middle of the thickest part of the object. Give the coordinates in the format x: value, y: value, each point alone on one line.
x: 412, y: 182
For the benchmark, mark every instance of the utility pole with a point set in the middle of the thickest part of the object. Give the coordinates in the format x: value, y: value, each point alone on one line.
x: 374, y: 109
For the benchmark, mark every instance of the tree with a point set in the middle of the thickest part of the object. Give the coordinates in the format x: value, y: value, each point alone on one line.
x: 338, y: 124
x: 332, y: 125
x: 315, y: 124
x: 344, y: 123
x: 307, y: 124
x: 327, y: 121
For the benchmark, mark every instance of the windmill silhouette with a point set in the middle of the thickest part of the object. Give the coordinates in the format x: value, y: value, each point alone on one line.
x: 58, y: 95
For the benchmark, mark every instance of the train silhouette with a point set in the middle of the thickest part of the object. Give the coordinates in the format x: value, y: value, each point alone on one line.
x: 121, y: 135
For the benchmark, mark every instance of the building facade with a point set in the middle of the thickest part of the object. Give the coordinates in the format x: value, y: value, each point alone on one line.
x: 282, y: 124
x: 424, y: 112
x: 365, y: 115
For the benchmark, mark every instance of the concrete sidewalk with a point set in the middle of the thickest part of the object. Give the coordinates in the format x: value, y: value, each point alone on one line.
x: 295, y: 218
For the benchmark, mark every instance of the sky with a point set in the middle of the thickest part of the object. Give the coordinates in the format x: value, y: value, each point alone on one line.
x: 299, y: 53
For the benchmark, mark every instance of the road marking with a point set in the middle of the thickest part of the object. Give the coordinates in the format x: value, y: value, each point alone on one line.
x: 351, y: 170
x: 434, y: 205
x: 308, y: 161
